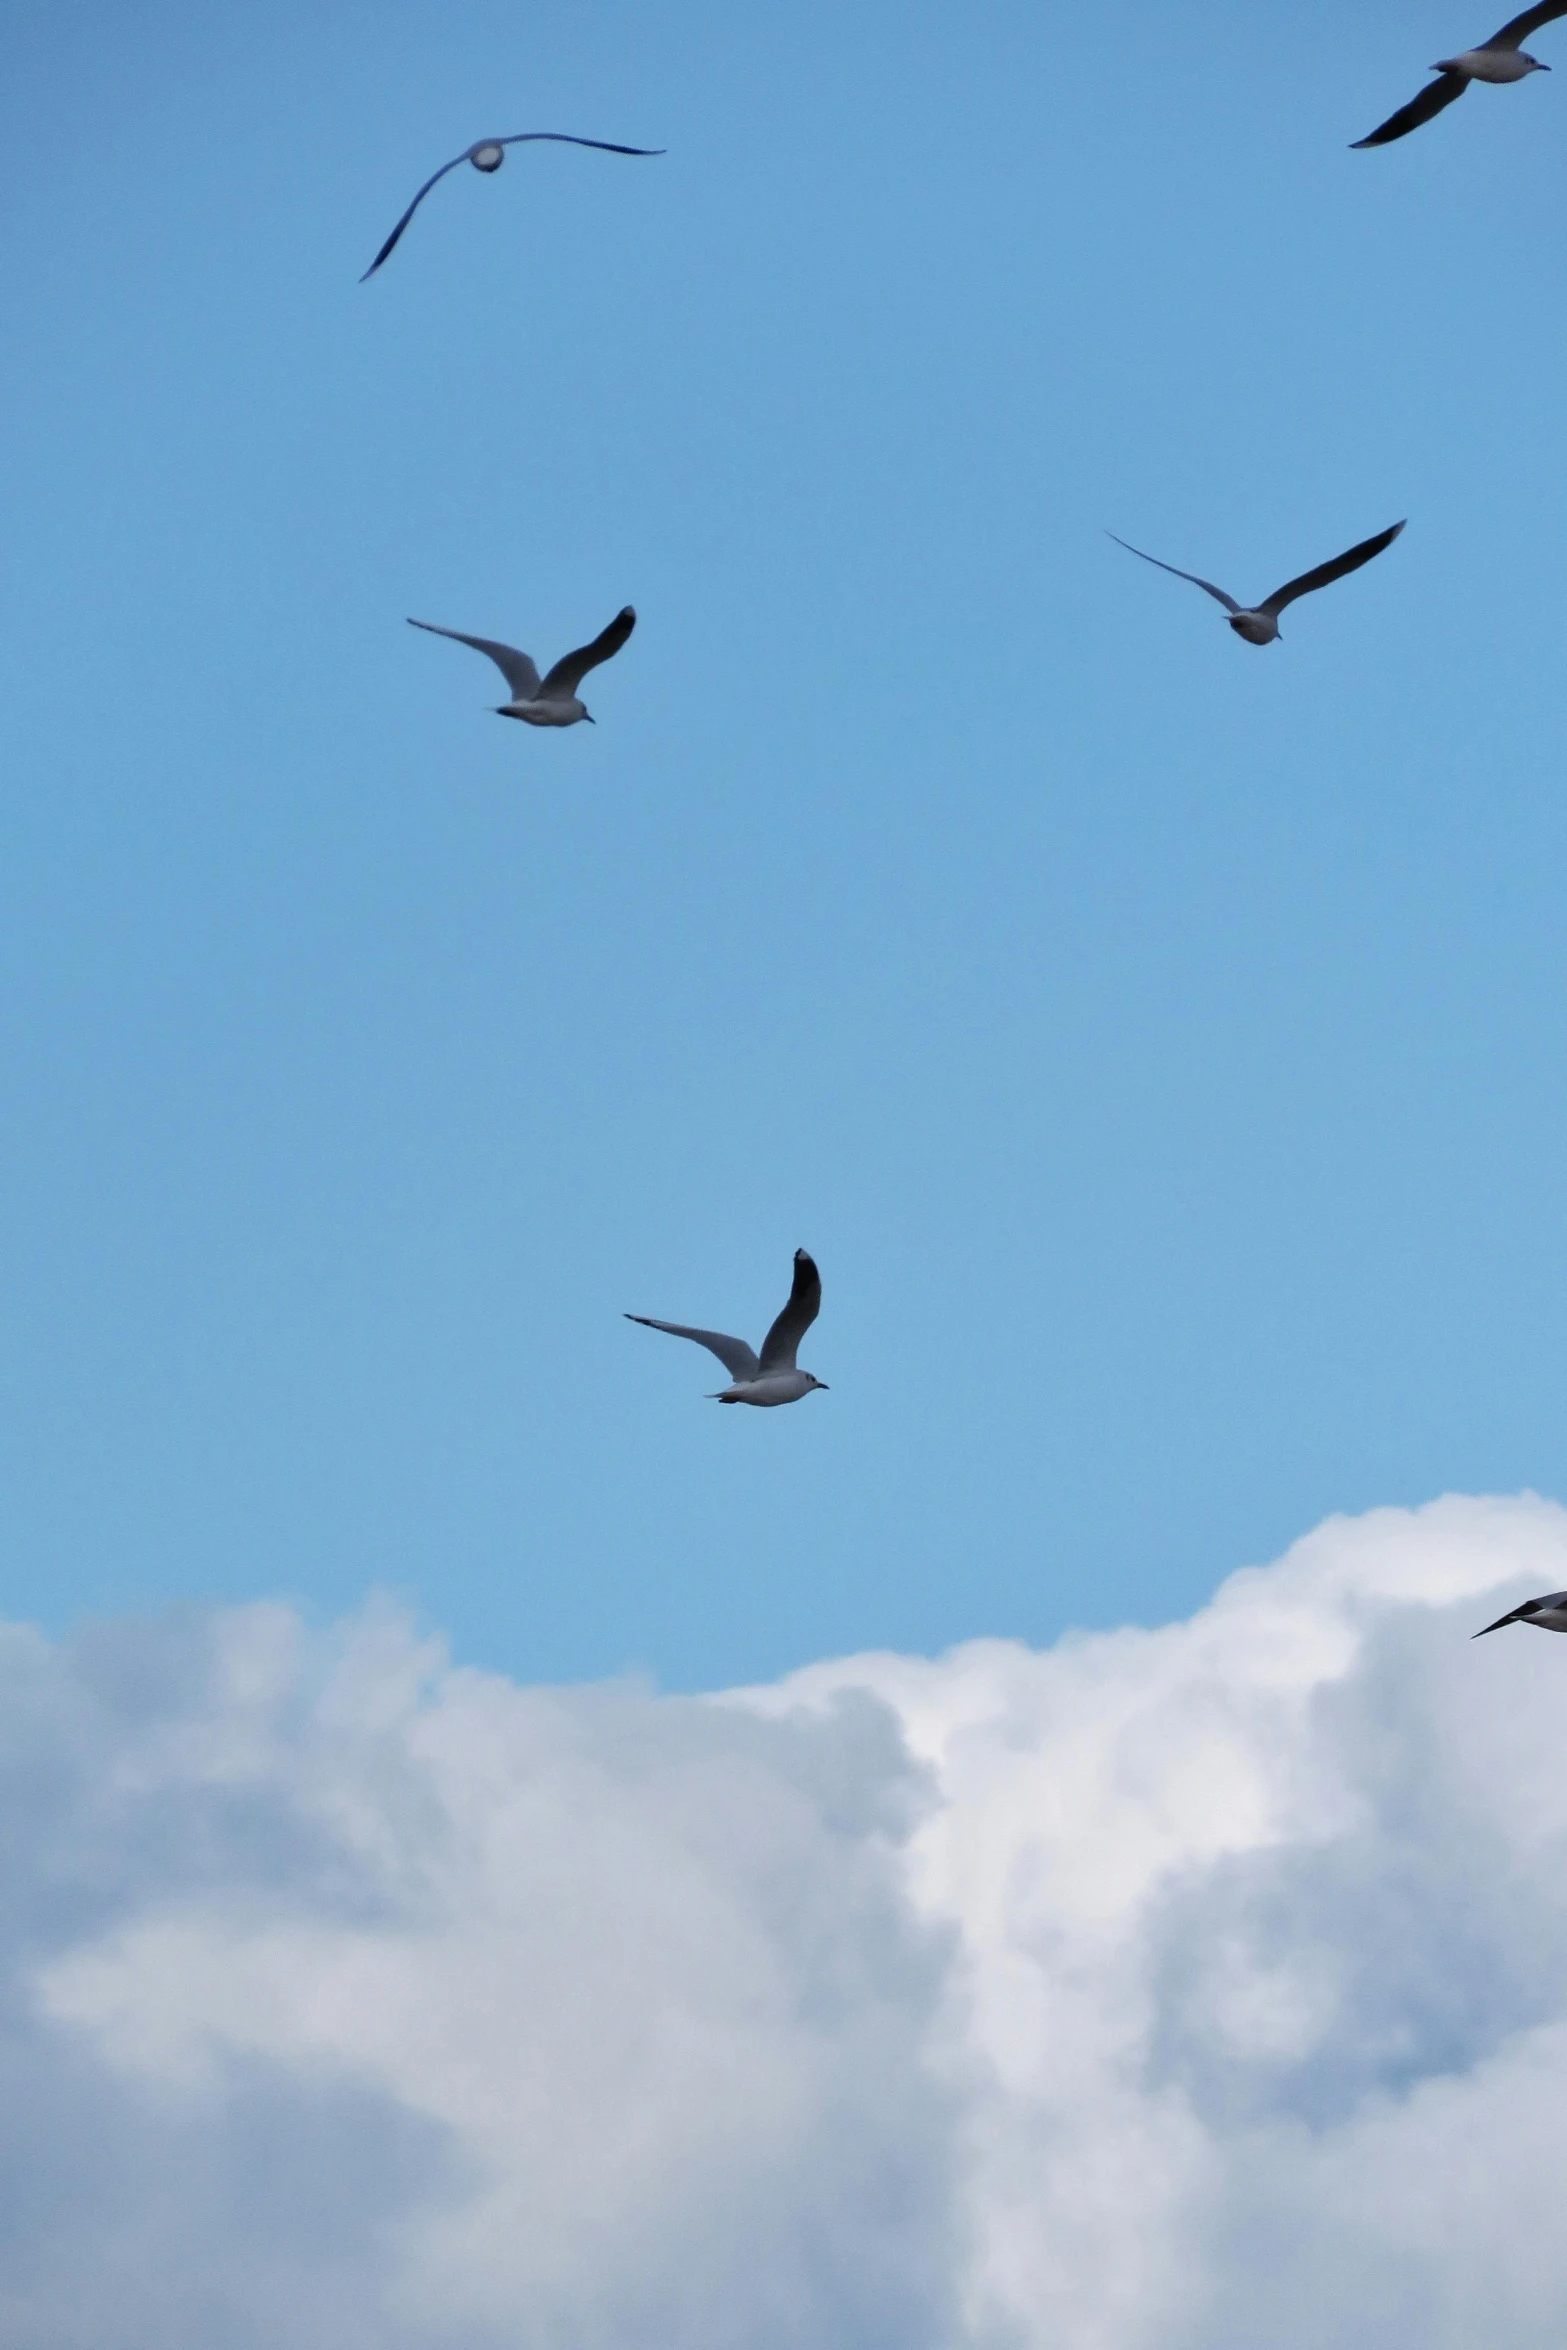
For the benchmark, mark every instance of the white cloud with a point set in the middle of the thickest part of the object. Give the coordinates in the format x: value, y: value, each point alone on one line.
x: 1166, y: 1989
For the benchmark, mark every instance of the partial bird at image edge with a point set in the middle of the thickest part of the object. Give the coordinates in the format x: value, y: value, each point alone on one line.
x: 1546, y: 1615
x: 1500, y: 59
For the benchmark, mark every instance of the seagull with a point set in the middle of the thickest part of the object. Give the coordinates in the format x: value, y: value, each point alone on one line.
x: 488, y: 155
x: 1259, y: 623
x: 1549, y: 1614
x: 551, y: 700
x: 773, y: 1379
x: 1500, y: 59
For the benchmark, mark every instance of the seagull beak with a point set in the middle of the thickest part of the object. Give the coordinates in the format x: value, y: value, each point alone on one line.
x: 588, y: 715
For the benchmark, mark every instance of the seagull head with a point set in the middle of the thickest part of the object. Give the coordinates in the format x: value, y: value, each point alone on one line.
x: 489, y: 155
x: 815, y: 1382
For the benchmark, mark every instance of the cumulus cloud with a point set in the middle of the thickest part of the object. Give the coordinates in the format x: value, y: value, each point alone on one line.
x: 1198, y: 1986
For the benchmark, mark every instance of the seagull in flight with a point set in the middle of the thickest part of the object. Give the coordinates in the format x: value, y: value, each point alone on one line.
x: 550, y: 700
x: 772, y: 1377
x: 488, y: 155
x: 1502, y: 58
x: 1259, y: 623
x: 1549, y: 1614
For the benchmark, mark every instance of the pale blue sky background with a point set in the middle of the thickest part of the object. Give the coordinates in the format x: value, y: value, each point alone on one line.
x: 1159, y: 1043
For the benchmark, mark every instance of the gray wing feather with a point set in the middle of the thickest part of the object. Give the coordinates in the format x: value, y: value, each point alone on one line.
x: 517, y: 669
x: 1430, y: 101
x: 1518, y: 28
x: 562, y: 681
x: 1326, y: 573
x: 736, y: 1357
x: 1217, y: 593
x: 782, y: 1342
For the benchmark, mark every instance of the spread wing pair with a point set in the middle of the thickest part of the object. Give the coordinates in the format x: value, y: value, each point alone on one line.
x: 782, y: 1342
x: 560, y: 683
x: 489, y: 155
x: 1450, y: 84
x: 1323, y: 576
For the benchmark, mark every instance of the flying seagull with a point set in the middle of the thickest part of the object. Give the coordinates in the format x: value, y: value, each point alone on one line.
x: 488, y: 155
x: 1259, y: 623
x: 550, y: 700
x: 772, y: 1379
x: 1549, y: 1614
x: 1500, y: 59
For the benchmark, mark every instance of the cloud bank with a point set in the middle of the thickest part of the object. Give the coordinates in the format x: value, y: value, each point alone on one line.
x: 1198, y: 1987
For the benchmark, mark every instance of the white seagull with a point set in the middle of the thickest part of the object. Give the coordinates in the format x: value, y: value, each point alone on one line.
x: 772, y: 1377
x: 1259, y: 623
x: 1500, y: 59
x: 1549, y: 1614
x: 550, y: 700
x: 488, y: 155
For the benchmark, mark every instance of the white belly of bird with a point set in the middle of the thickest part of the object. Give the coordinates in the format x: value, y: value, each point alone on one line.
x: 547, y: 713
x: 1258, y: 628
x: 1491, y: 65
x: 1550, y: 1619
x: 776, y: 1387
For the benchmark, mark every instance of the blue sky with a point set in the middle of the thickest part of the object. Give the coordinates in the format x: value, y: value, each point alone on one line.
x: 1160, y: 1044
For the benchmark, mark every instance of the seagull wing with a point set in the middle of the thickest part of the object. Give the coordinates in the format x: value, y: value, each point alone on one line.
x: 782, y: 1342
x: 1431, y: 100
x: 413, y: 208
x: 515, y: 667
x: 1517, y: 30
x: 1531, y: 1607
x: 1217, y: 593
x: 565, y: 139
x: 1326, y: 573
x: 736, y: 1357
x: 562, y: 681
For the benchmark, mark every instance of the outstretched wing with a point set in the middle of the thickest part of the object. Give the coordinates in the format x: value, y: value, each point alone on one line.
x: 1326, y: 573
x: 1517, y: 30
x: 1431, y: 100
x: 565, y: 139
x: 1217, y: 593
x: 413, y: 208
x: 562, y: 681
x: 1552, y: 1599
x: 782, y: 1342
x: 517, y: 669
x: 736, y: 1357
